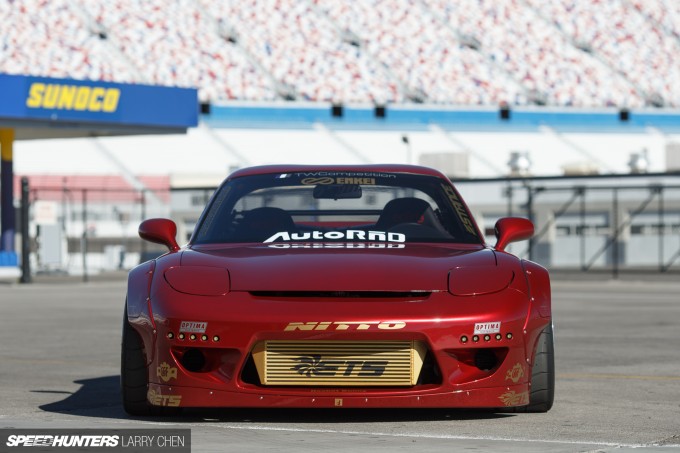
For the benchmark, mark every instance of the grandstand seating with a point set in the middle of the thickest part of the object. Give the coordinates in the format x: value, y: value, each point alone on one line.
x: 625, y: 39
x: 465, y: 52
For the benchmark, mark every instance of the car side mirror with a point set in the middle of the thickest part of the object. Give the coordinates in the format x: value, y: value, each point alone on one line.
x: 512, y: 229
x: 160, y: 231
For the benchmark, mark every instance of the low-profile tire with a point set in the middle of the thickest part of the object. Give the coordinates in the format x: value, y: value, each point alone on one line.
x: 134, y: 378
x: 134, y: 381
x: 542, y: 393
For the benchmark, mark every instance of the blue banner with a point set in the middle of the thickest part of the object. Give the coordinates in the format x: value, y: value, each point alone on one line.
x: 64, y: 100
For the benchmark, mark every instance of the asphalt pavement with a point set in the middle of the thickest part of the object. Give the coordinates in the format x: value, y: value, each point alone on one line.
x: 617, y: 389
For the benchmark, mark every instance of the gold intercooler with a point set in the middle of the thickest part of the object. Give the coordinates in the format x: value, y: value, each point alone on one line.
x: 339, y: 363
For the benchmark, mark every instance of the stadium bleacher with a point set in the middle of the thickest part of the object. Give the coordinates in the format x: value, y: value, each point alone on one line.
x: 470, y: 52
x: 608, y: 62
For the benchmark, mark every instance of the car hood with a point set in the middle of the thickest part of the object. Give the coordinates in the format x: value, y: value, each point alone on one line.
x: 411, y: 267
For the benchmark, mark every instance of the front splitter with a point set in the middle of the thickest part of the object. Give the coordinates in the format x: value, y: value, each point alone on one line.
x: 490, y: 397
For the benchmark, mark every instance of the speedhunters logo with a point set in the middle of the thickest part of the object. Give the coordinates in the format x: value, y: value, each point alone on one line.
x: 315, y: 366
x: 93, y: 440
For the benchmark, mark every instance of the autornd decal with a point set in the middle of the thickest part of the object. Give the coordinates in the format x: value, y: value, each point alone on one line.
x: 166, y: 372
x: 356, y: 245
x: 513, y: 398
x: 515, y: 373
x: 349, y: 235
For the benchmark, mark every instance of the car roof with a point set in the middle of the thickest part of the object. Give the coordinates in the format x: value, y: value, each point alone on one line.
x: 375, y: 168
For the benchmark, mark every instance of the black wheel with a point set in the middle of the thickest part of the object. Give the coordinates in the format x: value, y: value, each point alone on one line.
x: 542, y: 393
x: 133, y: 375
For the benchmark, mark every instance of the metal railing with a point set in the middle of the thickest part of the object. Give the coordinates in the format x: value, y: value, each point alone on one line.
x: 90, y: 220
x: 623, y: 204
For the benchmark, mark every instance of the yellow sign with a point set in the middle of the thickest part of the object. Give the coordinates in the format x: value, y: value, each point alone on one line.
x: 72, y: 97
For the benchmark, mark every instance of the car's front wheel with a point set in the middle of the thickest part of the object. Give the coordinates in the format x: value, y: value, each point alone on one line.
x: 542, y: 392
x: 133, y: 374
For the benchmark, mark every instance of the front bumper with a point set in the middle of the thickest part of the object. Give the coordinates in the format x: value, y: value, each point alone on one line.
x: 229, y: 327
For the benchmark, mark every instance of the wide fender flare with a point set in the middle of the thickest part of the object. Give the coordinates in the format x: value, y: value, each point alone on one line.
x: 540, y: 305
x: 139, y: 303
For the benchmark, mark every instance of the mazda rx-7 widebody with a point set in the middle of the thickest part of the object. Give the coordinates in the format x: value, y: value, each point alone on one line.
x: 337, y: 286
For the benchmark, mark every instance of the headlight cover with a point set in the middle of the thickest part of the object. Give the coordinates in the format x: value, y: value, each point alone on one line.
x: 478, y: 280
x: 198, y: 280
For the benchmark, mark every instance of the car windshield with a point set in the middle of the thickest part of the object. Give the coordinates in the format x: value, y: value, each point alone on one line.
x: 309, y: 207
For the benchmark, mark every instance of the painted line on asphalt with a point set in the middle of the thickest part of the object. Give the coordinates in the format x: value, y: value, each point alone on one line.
x: 384, y: 434
x: 616, y: 376
x: 425, y: 436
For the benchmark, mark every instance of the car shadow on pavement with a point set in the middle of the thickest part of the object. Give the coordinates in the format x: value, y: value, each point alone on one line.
x: 97, y: 397
x: 100, y: 397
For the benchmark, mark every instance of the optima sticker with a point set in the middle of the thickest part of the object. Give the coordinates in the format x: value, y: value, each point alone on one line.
x: 349, y: 235
x: 193, y: 327
x: 487, y: 327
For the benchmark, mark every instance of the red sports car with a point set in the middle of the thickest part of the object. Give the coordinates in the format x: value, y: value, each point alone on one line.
x: 337, y: 286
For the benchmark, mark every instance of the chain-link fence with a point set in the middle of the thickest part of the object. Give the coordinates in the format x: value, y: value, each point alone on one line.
x: 595, y: 223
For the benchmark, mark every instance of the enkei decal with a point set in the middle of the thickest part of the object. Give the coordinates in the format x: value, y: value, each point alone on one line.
x: 166, y: 372
x: 314, y: 365
x: 343, y: 245
x: 193, y: 327
x: 157, y: 399
x: 460, y: 209
x: 349, y: 235
x: 487, y: 327
x: 345, y: 325
x: 364, y: 181
x: 346, y: 180
x: 515, y: 373
x: 513, y: 398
